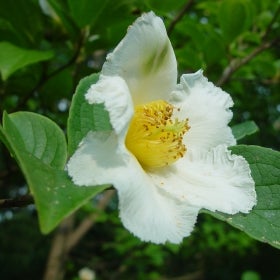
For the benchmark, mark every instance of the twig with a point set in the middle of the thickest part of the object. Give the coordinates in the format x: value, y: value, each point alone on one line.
x: 45, y: 78
x: 16, y: 202
x: 55, y: 268
x: 237, y: 63
x: 198, y: 275
x: 88, y: 222
x: 179, y: 16
x: 66, y: 239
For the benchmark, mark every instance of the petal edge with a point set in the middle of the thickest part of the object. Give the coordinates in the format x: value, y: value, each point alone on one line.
x: 145, y: 60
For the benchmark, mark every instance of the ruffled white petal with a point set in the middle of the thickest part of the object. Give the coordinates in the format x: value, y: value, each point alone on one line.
x: 97, y: 155
x: 207, y: 108
x: 147, y: 212
x: 114, y: 94
x: 145, y: 60
x: 215, y: 180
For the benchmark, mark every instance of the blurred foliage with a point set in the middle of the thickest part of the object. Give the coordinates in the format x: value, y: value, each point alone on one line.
x: 47, y: 47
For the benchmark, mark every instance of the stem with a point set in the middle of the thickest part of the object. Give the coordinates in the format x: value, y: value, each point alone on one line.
x: 16, y: 202
x: 66, y: 239
x: 237, y: 63
x: 55, y: 266
x: 89, y: 221
x: 179, y: 16
x: 45, y: 78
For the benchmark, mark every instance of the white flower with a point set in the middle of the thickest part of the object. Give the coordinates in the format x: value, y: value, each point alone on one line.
x: 167, y: 154
x: 86, y: 274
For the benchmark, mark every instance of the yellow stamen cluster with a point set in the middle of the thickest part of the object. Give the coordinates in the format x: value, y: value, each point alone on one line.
x: 155, y: 138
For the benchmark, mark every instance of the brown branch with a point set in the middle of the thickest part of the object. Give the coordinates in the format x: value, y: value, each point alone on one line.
x: 198, y: 275
x: 16, y: 202
x: 237, y: 63
x: 66, y: 239
x: 179, y: 16
x: 55, y: 268
x: 88, y: 222
x: 44, y: 78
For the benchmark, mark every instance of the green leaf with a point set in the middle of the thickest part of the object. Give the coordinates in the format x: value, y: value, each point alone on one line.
x: 86, y: 12
x: 250, y: 275
x: 243, y: 129
x: 3, y: 138
x: 213, y: 48
x: 62, y: 10
x: 24, y: 21
x: 38, y: 136
x: 84, y: 117
x: 194, y: 58
x: 55, y: 195
x: 263, y: 222
x: 51, y: 92
x: 166, y: 6
x: 264, y: 67
x: 39, y: 147
x: 13, y: 58
x: 235, y: 17
x: 2, y: 135
x: 118, y: 14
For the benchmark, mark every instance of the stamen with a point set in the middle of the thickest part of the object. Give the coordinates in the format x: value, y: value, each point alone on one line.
x: 154, y: 137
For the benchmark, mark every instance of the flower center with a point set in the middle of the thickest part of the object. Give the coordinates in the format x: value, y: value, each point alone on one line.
x: 155, y: 138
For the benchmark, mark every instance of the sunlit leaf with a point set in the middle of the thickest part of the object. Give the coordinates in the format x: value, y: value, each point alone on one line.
x: 244, y: 129
x: 13, y: 58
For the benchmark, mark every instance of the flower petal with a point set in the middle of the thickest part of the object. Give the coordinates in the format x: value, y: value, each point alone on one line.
x: 153, y: 215
x: 97, y: 155
x: 215, y: 180
x: 114, y: 94
x: 145, y: 59
x: 207, y: 108
x: 147, y: 212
